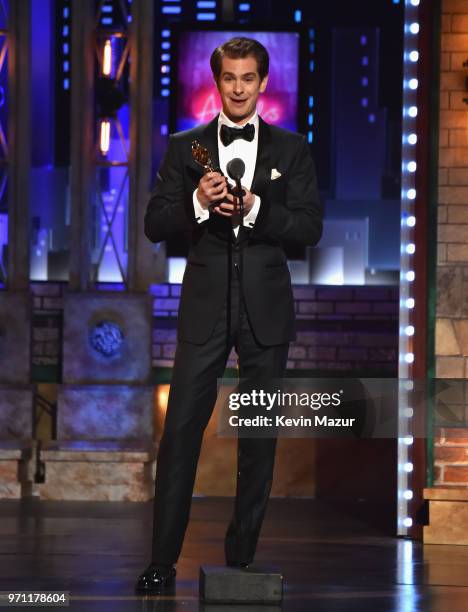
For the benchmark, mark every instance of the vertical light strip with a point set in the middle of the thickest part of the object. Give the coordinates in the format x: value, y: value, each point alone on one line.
x: 165, y: 89
x: 407, y: 271
x: 310, y: 106
x: 66, y: 46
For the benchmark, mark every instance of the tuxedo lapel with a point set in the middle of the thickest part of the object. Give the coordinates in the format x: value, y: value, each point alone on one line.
x: 261, y: 178
x: 210, y: 141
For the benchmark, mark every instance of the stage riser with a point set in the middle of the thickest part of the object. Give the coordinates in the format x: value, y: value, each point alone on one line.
x: 16, y: 446
x: 10, y: 487
x: 16, y: 471
x: 58, y: 492
x: 448, y: 515
x: 82, y: 476
x: 229, y: 585
x: 448, y: 523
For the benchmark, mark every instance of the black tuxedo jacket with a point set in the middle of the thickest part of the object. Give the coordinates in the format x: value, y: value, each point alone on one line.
x: 290, y: 211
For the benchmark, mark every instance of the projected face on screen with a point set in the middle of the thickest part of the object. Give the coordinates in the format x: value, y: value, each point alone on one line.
x: 198, y: 99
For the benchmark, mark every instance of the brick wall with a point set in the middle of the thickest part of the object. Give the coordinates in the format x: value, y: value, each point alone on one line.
x: 451, y: 456
x: 451, y: 444
x: 340, y: 329
x: 452, y: 266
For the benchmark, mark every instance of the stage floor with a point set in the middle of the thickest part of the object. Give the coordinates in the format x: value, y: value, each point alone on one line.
x: 333, y: 559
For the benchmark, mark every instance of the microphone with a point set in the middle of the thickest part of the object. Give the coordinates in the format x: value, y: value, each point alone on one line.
x: 236, y: 168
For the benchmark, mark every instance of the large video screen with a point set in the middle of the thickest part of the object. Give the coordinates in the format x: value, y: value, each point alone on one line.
x: 197, y: 97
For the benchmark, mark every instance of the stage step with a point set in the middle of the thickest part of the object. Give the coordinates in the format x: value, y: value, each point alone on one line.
x: 97, y: 471
x: 228, y: 585
x: 16, y: 468
x: 448, y: 515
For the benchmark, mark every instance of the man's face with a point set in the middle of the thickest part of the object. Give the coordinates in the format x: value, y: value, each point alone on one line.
x: 239, y: 86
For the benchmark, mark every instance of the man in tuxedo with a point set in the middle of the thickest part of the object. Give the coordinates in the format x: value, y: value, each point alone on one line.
x: 236, y: 292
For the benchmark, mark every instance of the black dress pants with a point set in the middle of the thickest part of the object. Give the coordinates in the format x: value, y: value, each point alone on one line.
x: 191, y: 401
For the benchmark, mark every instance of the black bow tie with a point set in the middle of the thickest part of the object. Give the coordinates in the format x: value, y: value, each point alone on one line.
x: 228, y: 134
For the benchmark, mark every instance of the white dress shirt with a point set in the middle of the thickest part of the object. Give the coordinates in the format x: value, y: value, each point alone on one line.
x: 245, y: 150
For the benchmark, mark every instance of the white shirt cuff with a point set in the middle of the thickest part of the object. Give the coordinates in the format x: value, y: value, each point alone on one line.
x: 201, y: 214
x: 251, y: 217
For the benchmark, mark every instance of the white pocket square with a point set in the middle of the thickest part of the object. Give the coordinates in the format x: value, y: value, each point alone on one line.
x: 275, y: 174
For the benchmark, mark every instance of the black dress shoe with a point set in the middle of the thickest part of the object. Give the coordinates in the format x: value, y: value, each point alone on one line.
x: 156, y: 579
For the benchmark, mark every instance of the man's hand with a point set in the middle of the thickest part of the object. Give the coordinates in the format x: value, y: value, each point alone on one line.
x: 230, y: 208
x: 211, y: 188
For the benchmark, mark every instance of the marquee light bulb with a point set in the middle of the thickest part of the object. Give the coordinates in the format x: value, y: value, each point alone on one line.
x: 107, y: 59
x: 105, y: 136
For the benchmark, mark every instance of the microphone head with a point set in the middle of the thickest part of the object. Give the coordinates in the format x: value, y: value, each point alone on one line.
x: 235, y: 169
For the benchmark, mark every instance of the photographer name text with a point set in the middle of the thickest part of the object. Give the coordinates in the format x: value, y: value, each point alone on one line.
x: 283, y: 421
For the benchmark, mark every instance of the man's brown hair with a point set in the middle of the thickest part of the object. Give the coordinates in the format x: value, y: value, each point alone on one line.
x: 238, y: 48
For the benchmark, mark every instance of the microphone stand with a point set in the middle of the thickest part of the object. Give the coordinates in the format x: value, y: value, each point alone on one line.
x: 240, y: 195
x: 236, y: 169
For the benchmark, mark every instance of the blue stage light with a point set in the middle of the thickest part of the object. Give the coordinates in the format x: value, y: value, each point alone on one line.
x: 206, y: 16
x: 171, y: 10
